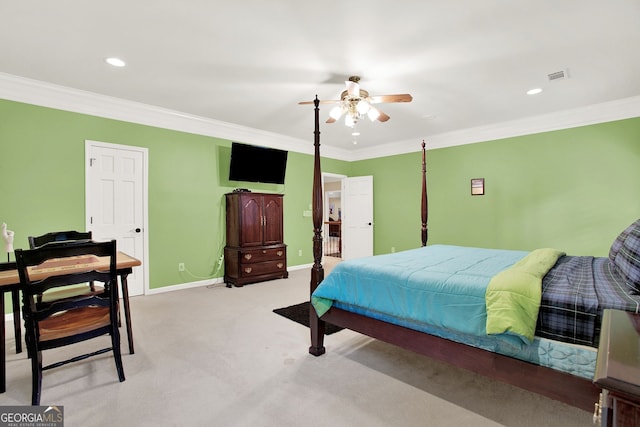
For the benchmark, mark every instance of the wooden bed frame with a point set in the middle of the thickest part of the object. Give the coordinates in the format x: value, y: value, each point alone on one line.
x: 570, y: 389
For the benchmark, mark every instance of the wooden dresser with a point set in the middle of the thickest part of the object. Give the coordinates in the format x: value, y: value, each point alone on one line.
x: 255, y: 249
x: 618, y: 369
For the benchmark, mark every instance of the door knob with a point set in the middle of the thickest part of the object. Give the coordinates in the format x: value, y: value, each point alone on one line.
x: 137, y: 230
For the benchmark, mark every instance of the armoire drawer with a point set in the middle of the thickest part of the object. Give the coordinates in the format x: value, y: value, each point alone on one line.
x: 263, y: 254
x: 261, y: 268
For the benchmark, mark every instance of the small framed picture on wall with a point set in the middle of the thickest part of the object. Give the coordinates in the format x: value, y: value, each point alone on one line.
x: 477, y: 186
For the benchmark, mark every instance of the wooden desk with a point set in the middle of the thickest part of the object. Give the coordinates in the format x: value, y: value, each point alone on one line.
x: 618, y: 368
x: 10, y: 280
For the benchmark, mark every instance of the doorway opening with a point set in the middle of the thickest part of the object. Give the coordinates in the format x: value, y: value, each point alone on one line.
x: 347, y: 216
x: 332, y: 217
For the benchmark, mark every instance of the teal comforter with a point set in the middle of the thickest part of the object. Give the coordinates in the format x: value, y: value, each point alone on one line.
x: 440, y: 285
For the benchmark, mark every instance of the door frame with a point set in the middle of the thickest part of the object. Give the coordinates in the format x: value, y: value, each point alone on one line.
x: 145, y: 197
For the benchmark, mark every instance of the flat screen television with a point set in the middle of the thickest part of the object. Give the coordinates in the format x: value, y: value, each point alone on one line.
x: 257, y: 164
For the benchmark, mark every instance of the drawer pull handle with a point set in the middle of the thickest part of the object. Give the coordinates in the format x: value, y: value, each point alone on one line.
x: 264, y: 252
x: 280, y: 265
x: 248, y: 270
x: 248, y: 256
x: 279, y: 253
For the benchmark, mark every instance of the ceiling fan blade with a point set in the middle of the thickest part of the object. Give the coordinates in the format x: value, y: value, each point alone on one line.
x: 379, y: 99
x: 330, y: 120
x: 382, y: 117
x: 332, y: 101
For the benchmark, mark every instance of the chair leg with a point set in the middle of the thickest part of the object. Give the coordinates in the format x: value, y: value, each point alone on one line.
x: 28, y: 339
x: 117, y: 354
x: 36, y: 377
x: 15, y: 296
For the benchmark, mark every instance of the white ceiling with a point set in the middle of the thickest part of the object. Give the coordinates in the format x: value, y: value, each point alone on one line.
x: 467, y: 63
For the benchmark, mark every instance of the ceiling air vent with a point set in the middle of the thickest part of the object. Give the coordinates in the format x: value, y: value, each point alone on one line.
x: 558, y: 75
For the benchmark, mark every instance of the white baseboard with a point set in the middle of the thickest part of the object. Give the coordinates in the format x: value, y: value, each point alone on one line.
x: 207, y: 282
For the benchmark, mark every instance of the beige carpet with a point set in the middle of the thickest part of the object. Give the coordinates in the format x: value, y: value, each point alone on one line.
x: 214, y: 356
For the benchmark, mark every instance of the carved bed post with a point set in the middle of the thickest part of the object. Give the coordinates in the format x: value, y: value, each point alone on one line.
x: 316, y: 325
x: 425, y: 202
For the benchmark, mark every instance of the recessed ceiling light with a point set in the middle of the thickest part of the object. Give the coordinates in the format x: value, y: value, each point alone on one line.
x: 116, y: 62
x: 534, y: 91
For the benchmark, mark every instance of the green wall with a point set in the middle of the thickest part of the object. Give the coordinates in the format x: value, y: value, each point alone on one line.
x: 397, y: 184
x: 42, y: 186
x: 573, y: 189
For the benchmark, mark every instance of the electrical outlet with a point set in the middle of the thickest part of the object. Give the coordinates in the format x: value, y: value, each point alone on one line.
x: 181, y: 266
x: 393, y: 249
x: 300, y: 252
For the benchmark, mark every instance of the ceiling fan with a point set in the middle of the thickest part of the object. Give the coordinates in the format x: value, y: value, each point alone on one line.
x: 355, y: 103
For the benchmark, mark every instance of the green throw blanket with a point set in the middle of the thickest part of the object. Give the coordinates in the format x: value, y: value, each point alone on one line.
x: 513, y: 295
x: 322, y: 305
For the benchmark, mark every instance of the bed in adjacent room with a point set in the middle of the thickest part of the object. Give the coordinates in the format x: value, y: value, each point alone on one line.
x: 528, y: 318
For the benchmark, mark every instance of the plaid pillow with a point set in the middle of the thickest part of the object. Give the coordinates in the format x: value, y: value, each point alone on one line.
x: 625, y: 254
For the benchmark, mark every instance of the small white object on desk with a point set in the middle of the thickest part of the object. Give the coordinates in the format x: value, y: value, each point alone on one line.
x: 7, y: 236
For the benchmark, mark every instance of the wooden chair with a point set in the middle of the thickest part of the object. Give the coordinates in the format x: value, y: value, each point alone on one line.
x: 62, y: 236
x: 58, y: 236
x: 71, y: 320
x: 68, y: 291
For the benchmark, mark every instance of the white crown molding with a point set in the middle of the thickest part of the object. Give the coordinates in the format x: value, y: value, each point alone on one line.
x: 620, y: 109
x: 36, y: 92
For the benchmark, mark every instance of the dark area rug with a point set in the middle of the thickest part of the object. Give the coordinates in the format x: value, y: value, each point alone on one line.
x: 299, y: 313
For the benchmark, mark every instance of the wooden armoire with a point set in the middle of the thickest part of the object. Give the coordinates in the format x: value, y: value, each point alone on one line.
x: 255, y: 249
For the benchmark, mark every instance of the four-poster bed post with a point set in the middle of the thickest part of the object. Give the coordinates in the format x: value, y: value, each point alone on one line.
x: 425, y: 202
x: 317, y: 326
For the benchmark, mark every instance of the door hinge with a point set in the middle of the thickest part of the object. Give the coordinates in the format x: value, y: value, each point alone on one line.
x: 91, y: 160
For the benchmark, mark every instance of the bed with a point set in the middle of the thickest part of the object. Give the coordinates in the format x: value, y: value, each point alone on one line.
x: 550, y: 348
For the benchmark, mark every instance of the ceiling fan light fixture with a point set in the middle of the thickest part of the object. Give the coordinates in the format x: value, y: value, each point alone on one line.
x: 363, y: 107
x: 349, y: 121
x: 353, y: 87
x: 373, y: 114
x: 336, y: 112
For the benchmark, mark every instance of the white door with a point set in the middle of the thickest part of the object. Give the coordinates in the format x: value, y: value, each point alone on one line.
x: 357, y: 217
x: 116, y: 197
